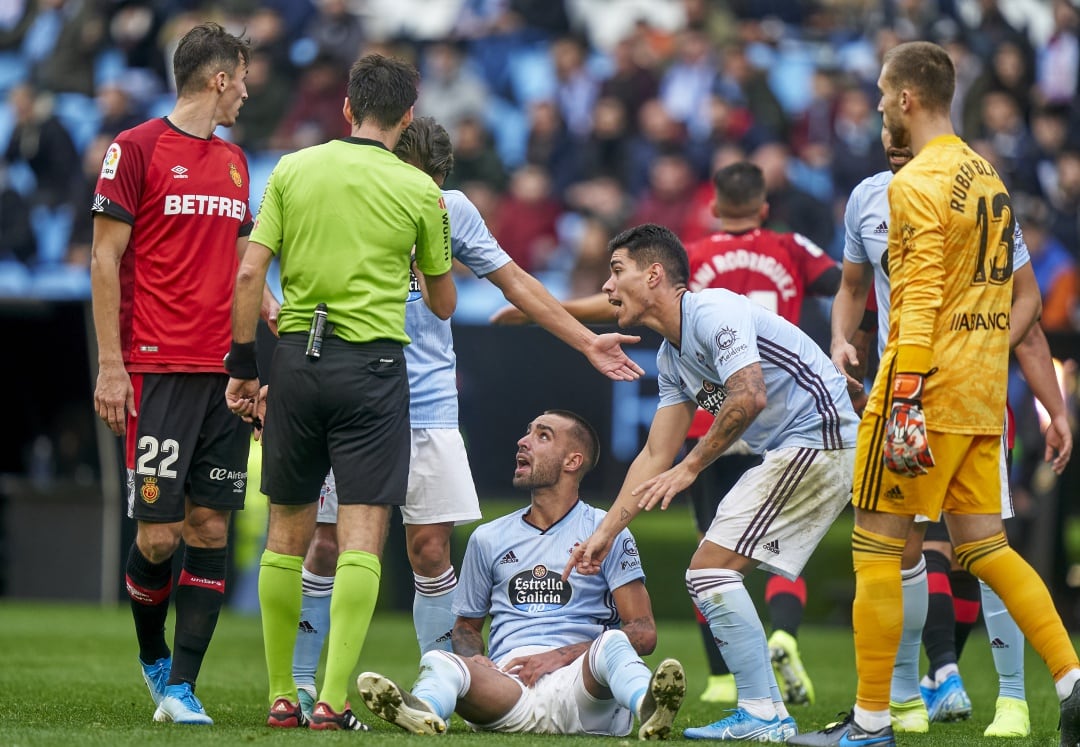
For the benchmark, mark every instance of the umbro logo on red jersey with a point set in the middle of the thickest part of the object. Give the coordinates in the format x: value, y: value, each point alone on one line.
x: 883, y: 227
x: 179, y: 172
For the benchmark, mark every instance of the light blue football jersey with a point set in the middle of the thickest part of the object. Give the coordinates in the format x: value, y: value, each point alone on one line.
x: 512, y: 571
x: 430, y: 358
x: 722, y: 333
x: 866, y: 239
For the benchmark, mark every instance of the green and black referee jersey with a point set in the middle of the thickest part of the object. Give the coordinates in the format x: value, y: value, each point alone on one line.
x: 343, y: 218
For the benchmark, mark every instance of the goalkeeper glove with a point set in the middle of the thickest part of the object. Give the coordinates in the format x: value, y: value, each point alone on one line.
x: 906, y: 451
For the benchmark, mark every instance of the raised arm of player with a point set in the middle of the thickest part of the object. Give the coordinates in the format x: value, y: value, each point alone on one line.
x: 595, y: 309
x: 603, y: 351
x: 848, y: 309
x: 666, y: 436
x: 114, y: 397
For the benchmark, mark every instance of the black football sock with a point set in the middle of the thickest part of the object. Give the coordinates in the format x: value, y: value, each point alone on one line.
x: 786, y: 601
x: 199, y: 597
x: 967, y: 599
x: 148, y: 586
x: 940, y: 616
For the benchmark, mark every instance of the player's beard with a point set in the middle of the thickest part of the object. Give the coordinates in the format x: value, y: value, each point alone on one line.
x: 542, y: 475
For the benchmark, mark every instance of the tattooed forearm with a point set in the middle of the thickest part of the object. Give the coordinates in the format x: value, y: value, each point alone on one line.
x: 642, y: 634
x: 744, y: 399
x: 624, y: 516
x: 467, y: 640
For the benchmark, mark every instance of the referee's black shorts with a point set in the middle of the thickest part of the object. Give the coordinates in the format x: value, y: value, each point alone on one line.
x: 348, y: 409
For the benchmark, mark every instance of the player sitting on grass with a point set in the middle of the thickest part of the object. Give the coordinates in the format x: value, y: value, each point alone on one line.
x: 565, y: 656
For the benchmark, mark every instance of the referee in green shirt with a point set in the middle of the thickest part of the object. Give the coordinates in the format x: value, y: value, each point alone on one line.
x: 343, y: 219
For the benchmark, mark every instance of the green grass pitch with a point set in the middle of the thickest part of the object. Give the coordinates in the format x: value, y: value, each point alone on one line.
x: 68, y: 676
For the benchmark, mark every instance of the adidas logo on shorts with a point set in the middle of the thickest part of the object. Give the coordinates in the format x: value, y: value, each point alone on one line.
x: 894, y: 494
x: 773, y: 547
x: 508, y: 558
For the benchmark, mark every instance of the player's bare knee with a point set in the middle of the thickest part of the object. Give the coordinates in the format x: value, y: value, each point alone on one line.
x: 158, y: 542
x: 205, y: 527
x: 323, y: 553
x: 429, y: 549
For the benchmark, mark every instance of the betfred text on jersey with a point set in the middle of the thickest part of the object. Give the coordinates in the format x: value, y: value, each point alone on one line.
x: 205, y: 205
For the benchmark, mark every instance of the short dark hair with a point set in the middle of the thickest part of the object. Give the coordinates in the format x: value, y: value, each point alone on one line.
x: 207, y: 49
x: 740, y: 189
x: 585, y: 436
x: 650, y: 243
x: 382, y: 89
x: 426, y: 145
x: 925, y: 68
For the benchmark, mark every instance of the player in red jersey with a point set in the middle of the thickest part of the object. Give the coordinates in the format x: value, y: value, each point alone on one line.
x: 170, y: 221
x: 776, y: 270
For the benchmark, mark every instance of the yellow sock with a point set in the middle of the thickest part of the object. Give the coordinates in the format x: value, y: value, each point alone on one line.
x: 1025, y: 596
x: 280, y: 600
x: 877, y: 615
x: 356, y: 587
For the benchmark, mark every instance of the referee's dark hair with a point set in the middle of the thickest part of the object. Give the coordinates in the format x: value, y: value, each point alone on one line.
x: 207, y: 48
x: 381, y: 89
x: 650, y: 243
x: 426, y: 145
x: 582, y: 432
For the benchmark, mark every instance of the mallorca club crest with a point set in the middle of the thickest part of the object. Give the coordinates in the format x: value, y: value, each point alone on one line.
x: 234, y: 174
x: 150, y: 491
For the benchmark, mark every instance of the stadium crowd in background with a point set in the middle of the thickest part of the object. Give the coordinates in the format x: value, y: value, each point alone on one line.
x: 567, y: 117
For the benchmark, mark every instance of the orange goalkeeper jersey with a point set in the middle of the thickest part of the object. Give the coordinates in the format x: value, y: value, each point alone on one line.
x: 950, y: 261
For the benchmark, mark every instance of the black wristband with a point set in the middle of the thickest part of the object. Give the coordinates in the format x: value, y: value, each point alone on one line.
x: 241, y: 362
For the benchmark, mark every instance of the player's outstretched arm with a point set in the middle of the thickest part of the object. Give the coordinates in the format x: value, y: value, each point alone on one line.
x: 666, y: 436
x: 593, y: 309
x: 604, y: 352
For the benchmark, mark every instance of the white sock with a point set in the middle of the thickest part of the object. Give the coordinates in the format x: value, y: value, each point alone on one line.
x: 443, y: 680
x: 433, y: 615
x: 905, y: 678
x: 1065, y: 685
x: 616, y: 665
x: 1006, y: 644
x: 314, y: 627
x: 872, y: 720
x: 734, y: 622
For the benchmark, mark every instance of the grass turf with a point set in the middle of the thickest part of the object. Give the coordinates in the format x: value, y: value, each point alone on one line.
x: 68, y: 676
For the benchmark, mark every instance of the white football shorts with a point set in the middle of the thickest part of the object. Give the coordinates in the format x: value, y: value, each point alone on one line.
x: 559, y: 704
x: 778, y: 512
x: 440, y: 488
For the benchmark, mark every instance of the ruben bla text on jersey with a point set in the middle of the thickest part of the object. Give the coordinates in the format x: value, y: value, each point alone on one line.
x: 969, y: 171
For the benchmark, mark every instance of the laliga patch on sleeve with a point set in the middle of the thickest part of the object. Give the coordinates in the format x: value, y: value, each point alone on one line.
x: 112, y: 160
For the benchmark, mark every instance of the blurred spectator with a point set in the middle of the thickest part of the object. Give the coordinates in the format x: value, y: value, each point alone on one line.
x: 415, y: 20
x: 475, y: 158
x: 968, y: 69
x: 814, y: 125
x: 602, y: 199
x: 657, y: 132
x: 1049, y: 129
x: 1004, y: 127
x: 118, y: 111
x: 670, y: 194
x: 269, y: 36
x: 449, y: 90
x: 527, y: 215
x: 337, y: 31
x: 994, y: 30
x: 69, y: 34
x: 133, y: 29
x: 1065, y: 199
x: 1009, y: 70
x: 18, y: 16
x: 741, y: 82
x: 856, y: 147
x: 791, y: 210
x: 551, y: 146
x: 269, y: 97
x: 607, y: 152
x: 40, y: 141
x: 591, y: 258
x: 1058, y: 63
x: 16, y: 235
x: 315, y: 115
x: 606, y: 23
x: 1055, y: 268
x: 688, y: 80
x: 575, y: 87
x: 633, y: 81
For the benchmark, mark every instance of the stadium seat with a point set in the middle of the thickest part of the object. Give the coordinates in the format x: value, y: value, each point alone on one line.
x: 14, y: 279
x: 60, y: 283
x: 52, y: 229
x: 80, y: 116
